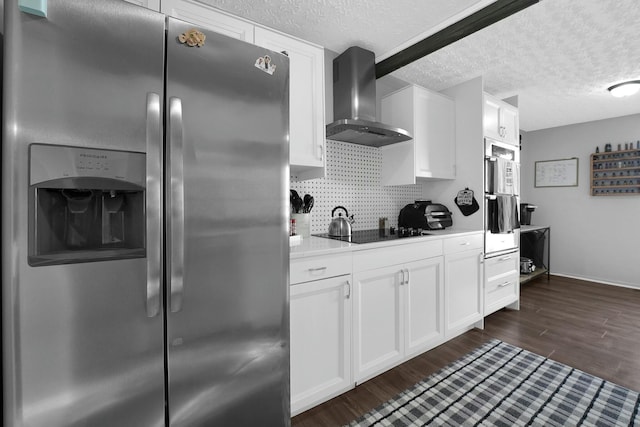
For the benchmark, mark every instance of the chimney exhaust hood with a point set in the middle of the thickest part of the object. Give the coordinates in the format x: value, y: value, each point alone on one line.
x: 354, y: 102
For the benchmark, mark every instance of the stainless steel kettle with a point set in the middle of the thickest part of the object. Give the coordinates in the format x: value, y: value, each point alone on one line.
x: 340, y: 226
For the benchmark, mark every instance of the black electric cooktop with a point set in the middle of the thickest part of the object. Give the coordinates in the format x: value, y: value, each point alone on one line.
x: 370, y: 236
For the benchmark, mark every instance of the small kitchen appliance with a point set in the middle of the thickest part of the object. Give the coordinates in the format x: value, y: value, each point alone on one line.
x: 424, y: 214
x: 525, y: 213
x: 438, y: 216
x: 412, y: 216
x: 340, y: 226
x: 526, y: 265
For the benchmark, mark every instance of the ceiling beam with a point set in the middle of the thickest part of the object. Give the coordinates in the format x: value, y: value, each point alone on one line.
x: 483, y: 18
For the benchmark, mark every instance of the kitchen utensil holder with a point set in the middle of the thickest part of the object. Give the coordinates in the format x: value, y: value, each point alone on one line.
x: 303, y: 224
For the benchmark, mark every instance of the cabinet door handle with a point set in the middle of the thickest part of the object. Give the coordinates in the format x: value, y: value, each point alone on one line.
x: 504, y: 284
x: 321, y: 150
x: 317, y: 270
x: 465, y: 243
x: 408, y: 277
x: 348, y: 287
x: 402, y: 279
x: 505, y: 258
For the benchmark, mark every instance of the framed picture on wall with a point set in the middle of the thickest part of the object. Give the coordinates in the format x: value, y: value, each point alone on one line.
x: 557, y: 173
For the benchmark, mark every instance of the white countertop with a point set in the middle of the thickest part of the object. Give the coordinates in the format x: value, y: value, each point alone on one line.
x: 314, y: 246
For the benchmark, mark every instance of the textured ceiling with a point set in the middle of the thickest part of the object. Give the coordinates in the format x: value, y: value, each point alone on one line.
x: 558, y: 56
x: 377, y: 25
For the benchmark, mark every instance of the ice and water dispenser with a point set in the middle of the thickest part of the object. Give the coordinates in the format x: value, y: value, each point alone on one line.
x: 85, y: 204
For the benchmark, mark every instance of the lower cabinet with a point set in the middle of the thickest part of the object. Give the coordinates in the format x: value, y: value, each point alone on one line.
x: 355, y: 315
x: 320, y: 323
x: 379, y: 342
x: 463, y: 283
x: 424, y: 317
x: 502, y: 282
x: 398, y: 313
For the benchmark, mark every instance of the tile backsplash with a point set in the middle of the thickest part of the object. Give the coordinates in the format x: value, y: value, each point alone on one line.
x: 352, y: 180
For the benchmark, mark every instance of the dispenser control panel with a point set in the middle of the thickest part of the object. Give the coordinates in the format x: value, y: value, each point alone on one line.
x: 50, y: 162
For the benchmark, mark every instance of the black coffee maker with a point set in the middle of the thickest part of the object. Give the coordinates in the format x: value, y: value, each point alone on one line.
x: 525, y: 213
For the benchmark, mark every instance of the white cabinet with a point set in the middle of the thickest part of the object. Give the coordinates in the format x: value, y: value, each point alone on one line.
x: 424, y: 304
x: 319, y: 267
x: 200, y: 13
x: 320, y: 324
x: 306, y: 79
x: 501, y: 120
x: 378, y: 341
x: 398, y: 308
x: 463, y: 283
x: 430, y: 117
x: 502, y: 282
x: 354, y: 315
x: 306, y: 101
x: 149, y: 4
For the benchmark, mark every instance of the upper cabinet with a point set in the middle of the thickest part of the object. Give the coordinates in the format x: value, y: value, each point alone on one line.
x: 149, y: 4
x: 306, y: 101
x: 199, y: 13
x: 306, y: 76
x: 428, y: 116
x: 501, y: 120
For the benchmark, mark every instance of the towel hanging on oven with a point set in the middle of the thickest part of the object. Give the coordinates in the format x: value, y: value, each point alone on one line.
x: 503, y: 214
x: 504, y: 175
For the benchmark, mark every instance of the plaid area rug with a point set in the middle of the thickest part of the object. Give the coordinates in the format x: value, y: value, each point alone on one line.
x: 498, y: 384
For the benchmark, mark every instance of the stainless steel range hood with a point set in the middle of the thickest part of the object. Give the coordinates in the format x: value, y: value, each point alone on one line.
x: 354, y: 102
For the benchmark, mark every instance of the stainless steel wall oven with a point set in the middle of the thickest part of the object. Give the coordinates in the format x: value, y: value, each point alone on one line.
x: 502, y: 197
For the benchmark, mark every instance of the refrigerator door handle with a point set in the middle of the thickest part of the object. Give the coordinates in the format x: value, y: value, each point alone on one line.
x: 153, y: 203
x: 176, y: 284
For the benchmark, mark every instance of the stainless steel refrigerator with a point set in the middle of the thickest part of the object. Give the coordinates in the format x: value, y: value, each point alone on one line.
x: 144, y: 215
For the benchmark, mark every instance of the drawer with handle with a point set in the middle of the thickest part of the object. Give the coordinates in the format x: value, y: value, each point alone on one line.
x: 502, y: 264
x: 303, y: 270
x: 463, y: 243
x: 500, y: 291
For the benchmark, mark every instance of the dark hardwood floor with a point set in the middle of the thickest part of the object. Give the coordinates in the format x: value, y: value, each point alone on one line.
x: 590, y: 326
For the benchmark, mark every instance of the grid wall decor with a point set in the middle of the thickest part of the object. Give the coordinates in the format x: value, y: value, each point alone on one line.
x: 352, y: 180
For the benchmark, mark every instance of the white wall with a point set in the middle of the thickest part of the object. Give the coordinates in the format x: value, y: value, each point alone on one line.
x: 352, y: 179
x: 469, y: 155
x: 595, y: 238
